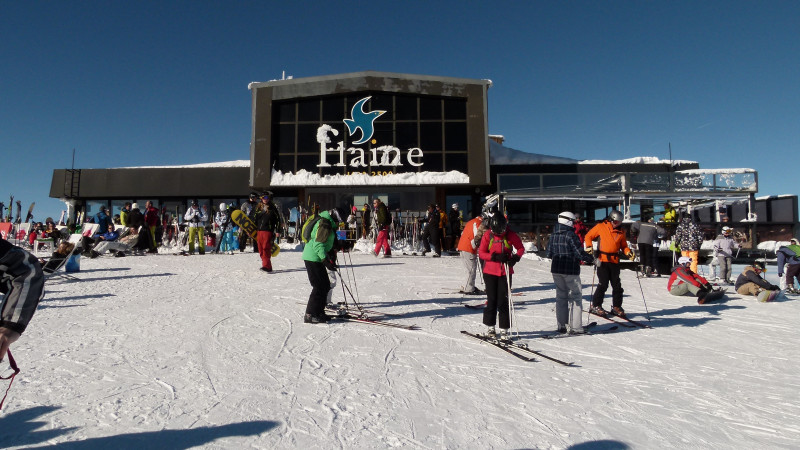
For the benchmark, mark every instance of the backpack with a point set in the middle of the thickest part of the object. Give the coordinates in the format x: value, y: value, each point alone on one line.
x: 308, y: 227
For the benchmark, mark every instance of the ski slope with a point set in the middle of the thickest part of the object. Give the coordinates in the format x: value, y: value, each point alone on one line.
x: 165, y: 351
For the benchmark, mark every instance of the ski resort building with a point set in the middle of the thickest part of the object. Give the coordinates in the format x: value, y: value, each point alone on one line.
x: 412, y: 140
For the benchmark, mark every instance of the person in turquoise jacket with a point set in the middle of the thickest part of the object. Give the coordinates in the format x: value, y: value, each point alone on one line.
x: 318, y: 255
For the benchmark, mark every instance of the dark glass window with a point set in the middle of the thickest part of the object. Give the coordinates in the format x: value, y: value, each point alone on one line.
x: 384, y: 133
x: 433, y: 161
x: 430, y: 108
x: 309, y: 162
x: 286, y: 138
x: 308, y: 111
x: 307, y: 138
x: 405, y: 108
x: 456, y: 161
x: 455, y: 136
x: 285, y: 163
x: 333, y: 110
x: 286, y: 112
x: 406, y: 135
x: 431, y: 136
x: 455, y: 109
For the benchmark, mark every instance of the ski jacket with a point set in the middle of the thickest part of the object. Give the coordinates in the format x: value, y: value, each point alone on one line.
x: 431, y: 220
x: 749, y: 275
x: 787, y: 255
x: 454, y: 217
x: 471, y: 236
x: 507, y: 243
x: 724, y: 246
x: 107, y: 236
x: 267, y: 220
x: 322, y: 236
x: 136, y: 218
x: 384, y: 219
x: 21, y: 272
x: 124, y: 217
x: 223, y: 221
x: 580, y: 229
x: 102, y: 220
x: 611, y: 242
x: 688, y: 236
x: 195, y: 217
x: 565, y: 251
x: 681, y: 274
x: 442, y: 220
x: 670, y: 215
x: 648, y: 232
x: 151, y: 216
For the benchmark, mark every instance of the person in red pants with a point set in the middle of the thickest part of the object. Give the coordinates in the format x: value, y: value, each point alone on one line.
x: 267, y: 222
x: 384, y: 221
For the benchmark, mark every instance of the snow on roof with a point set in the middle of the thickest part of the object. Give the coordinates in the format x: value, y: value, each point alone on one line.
x: 237, y: 163
x: 305, y: 178
x: 637, y: 160
x: 716, y: 171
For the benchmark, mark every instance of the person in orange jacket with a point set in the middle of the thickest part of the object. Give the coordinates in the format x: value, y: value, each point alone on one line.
x: 611, y: 241
x: 500, y: 248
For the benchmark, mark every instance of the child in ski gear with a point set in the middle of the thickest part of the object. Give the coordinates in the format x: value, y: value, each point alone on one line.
x: 689, y: 238
x: 565, y: 251
x: 196, y: 219
x: 750, y: 281
x: 468, y: 245
x: 22, y: 283
x: 267, y: 222
x: 383, y: 220
x: 789, y: 254
x: 611, y: 241
x: 315, y: 256
x: 500, y: 249
x: 683, y: 281
x: 724, y: 247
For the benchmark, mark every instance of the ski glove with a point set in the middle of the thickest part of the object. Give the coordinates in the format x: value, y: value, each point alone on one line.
x: 631, y: 256
x: 589, y: 250
x: 330, y: 264
x: 500, y: 257
x: 772, y: 287
x: 514, y: 259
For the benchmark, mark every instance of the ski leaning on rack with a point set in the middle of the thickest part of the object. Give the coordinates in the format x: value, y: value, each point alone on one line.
x: 512, y: 347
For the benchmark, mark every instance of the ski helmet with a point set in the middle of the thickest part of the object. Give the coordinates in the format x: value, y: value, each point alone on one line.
x: 335, y: 215
x: 683, y: 260
x: 498, y: 224
x: 566, y: 218
x: 615, y: 216
x: 222, y: 206
x: 759, y: 265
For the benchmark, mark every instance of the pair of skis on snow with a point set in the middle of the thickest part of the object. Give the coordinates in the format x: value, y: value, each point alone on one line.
x: 622, y: 321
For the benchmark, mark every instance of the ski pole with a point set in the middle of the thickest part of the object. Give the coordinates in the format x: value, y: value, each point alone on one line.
x: 591, y: 296
x: 642, y: 291
x: 510, y: 301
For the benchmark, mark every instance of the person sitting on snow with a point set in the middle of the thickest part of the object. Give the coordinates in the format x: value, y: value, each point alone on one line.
x: 685, y: 282
x: 750, y: 281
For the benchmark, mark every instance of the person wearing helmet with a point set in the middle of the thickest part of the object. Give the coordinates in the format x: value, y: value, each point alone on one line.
x: 383, y: 220
x: 468, y: 244
x: 789, y: 254
x: 647, y: 234
x: 196, y: 219
x: 267, y: 221
x: 249, y: 209
x: 454, y: 221
x: 750, y: 281
x: 611, y: 241
x: 500, y: 249
x: 225, y: 230
x: 566, y: 254
x: 724, y: 247
x: 689, y: 238
x: 317, y: 258
x: 683, y: 281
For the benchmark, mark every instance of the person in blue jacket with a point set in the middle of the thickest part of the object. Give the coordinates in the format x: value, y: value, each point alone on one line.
x: 319, y: 255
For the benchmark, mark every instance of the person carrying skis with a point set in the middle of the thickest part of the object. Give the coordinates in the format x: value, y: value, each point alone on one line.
x: 22, y: 283
x: 750, y: 281
x: 267, y: 222
x: 611, y: 241
x: 317, y: 259
x: 225, y: 236
x: 684, y: 281
x: 724, y: 247
x: 383, y: 220
x: 468, y: 245
x: 789, y: 254
x: 565, y: 251
x: 500, y: 249
x: 197, y: 222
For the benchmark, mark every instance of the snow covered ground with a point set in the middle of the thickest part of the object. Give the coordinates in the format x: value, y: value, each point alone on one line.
x: 207, y: 351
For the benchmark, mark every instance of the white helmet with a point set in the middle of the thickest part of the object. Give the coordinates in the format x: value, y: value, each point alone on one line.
x: 566, y: 218
x: 222, y: 206
x: 455, y: 206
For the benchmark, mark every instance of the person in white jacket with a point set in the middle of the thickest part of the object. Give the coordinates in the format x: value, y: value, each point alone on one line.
x: 724, y: 247
x: 196, y: 219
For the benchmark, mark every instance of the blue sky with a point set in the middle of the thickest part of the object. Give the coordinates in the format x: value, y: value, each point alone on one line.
x: 157, y: 83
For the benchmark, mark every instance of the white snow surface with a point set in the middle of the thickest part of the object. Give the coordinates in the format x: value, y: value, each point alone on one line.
x: 167, y: 351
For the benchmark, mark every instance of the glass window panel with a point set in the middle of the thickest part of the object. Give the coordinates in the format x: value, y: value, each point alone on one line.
x: 432, y: 162
x: 286, y: 138
x: 285, y: 163
x: 431, y: 136
x: 307, y: 138
x: 116, y: 206
x: 455, y: 109
x: 782, y: 210
x: 308, y: 162
x: 430, y: 108
x: 333, y: 110
x: 519, y: 183
x: 384, y: 133
x: 308, y: 110
x: 382, y: 102
x: 286, y: 112
x: 560, y: 182
x: 93, y: 207
x: 457, y: 161
x: 405, y: 107
x: 455, y: 136
x: 406, y: 135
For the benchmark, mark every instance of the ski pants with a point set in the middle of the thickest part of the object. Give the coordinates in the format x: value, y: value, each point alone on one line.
x: 496, y: 301
x: 265, y: 248
x: 470, y: 264
x: 22, y: 282
x: 333, y: 277
x: 383, y: 242
x: 194, y: 231
x: 608, y: 273
x: 432, y: 235
x: 153, y: 244
x: 749, y: 288
x: 792, y: 273
x: 568, y: 301
x: 725, y: 267
x: 243, y: 237
x: 320, y: 285
x: 225, y: 241
x: 684, y: 288
x: 645, y: 257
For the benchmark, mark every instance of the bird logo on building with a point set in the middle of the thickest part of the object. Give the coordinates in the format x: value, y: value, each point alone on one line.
x: 363, y: 120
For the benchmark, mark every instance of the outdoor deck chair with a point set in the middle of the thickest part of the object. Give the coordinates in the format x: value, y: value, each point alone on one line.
x: 58, y: 271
